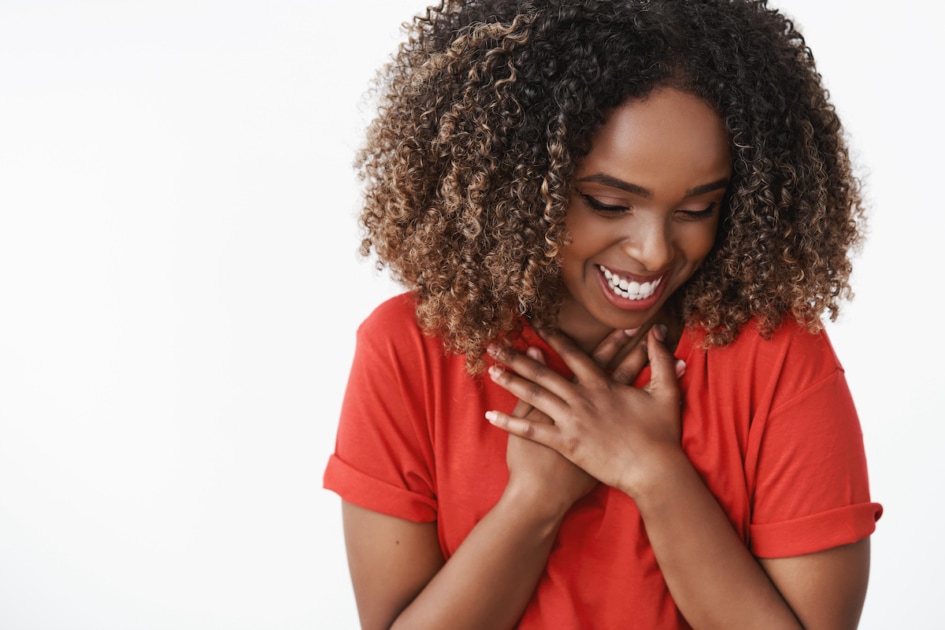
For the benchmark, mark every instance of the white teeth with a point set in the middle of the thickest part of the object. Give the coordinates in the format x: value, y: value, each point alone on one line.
x: 629, y: 289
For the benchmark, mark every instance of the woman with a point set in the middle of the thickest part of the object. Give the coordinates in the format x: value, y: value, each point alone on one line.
x: 634, y: 214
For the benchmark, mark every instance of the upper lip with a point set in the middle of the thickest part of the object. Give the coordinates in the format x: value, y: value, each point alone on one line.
x: 633, y: 276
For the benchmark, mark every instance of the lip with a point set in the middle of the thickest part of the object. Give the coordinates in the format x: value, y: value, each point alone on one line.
x: 627, y: 304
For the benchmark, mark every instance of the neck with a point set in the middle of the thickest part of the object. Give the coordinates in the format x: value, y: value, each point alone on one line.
x: 587, y: 332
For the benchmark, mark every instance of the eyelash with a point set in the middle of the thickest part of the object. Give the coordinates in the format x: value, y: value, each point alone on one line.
x: 594, y: 204
x: 693, y: 215
x: 689, y: 215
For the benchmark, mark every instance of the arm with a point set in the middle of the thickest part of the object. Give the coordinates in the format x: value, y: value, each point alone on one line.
x: 399, y: 574
x: 825, y: 589
x: 390, y: 559
x: 401, y: 581
x: 630, y: 439
x: 717, y: 583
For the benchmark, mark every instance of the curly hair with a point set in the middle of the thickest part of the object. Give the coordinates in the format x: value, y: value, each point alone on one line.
x: 488, y: 105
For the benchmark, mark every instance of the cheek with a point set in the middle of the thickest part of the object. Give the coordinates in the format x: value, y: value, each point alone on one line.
x: 584, y: 238
x: 700, y: 242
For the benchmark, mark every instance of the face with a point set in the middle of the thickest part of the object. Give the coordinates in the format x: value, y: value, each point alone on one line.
x: 643, y: 213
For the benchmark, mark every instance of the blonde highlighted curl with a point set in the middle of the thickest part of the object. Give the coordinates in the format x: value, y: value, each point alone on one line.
x: 487, y: 107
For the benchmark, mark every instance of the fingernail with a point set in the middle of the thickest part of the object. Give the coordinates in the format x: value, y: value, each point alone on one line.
x: 492, y: 416
x: 534, y: 353
x: 493, y: 350
x: 680, y: 368
x: 631, y: 331
x: 661, y: 331
x: 495, y: 371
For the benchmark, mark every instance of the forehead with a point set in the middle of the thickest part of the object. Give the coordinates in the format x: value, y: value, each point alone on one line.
x: 668, y: 137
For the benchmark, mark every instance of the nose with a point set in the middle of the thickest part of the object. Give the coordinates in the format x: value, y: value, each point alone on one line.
x: 651, y: 244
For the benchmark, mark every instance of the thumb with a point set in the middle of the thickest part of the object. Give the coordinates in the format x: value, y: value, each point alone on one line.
x: 665, y: 368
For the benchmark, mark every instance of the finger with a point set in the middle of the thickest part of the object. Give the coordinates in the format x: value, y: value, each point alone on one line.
x: 528, y: 368
x: 532, y: 413
x: 524, y: 410
x: 537, y: 415
x: 529, y: 391
x: 539, y: 432
x: 608, y: 349
x: 630, y: 366
x: 536, y: 354
x: 583, y: 366
x: 666, y: 369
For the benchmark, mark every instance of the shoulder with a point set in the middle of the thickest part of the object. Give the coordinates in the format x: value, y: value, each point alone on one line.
x: 790, y: 343
x: 395, y: 315
x: 393, y: 324
x: 392, y: 336
x: 771, y: 370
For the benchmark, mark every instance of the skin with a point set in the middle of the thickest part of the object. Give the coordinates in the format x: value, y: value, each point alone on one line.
x: 399, y: 576
x: 646, y: 204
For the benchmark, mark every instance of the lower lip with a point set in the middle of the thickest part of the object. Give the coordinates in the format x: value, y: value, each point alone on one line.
x: 627, y: 304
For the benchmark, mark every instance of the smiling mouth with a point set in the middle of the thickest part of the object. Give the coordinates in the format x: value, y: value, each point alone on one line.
x: 629, y: 289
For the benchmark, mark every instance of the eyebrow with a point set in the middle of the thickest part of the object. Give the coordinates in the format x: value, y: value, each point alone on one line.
x: 613, y: 182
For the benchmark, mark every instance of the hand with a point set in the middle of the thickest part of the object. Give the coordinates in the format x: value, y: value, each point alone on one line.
x: 610, y: 429
x: 540, y: 473
x: 537, y: 474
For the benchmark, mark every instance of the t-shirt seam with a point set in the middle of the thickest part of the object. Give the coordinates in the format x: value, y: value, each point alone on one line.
x: 833, y: 374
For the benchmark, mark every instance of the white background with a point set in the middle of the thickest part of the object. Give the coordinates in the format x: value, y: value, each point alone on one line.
x: 179, y: 290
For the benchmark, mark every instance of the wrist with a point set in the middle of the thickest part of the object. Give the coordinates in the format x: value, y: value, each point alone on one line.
x: 541, y: 511
x: 657, y: 474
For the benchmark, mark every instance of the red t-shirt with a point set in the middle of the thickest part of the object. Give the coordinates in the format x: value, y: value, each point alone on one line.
x: 769, y: 424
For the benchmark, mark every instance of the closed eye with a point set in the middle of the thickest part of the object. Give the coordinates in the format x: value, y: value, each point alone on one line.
x: 695, y: 215
x: 598, y: 206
